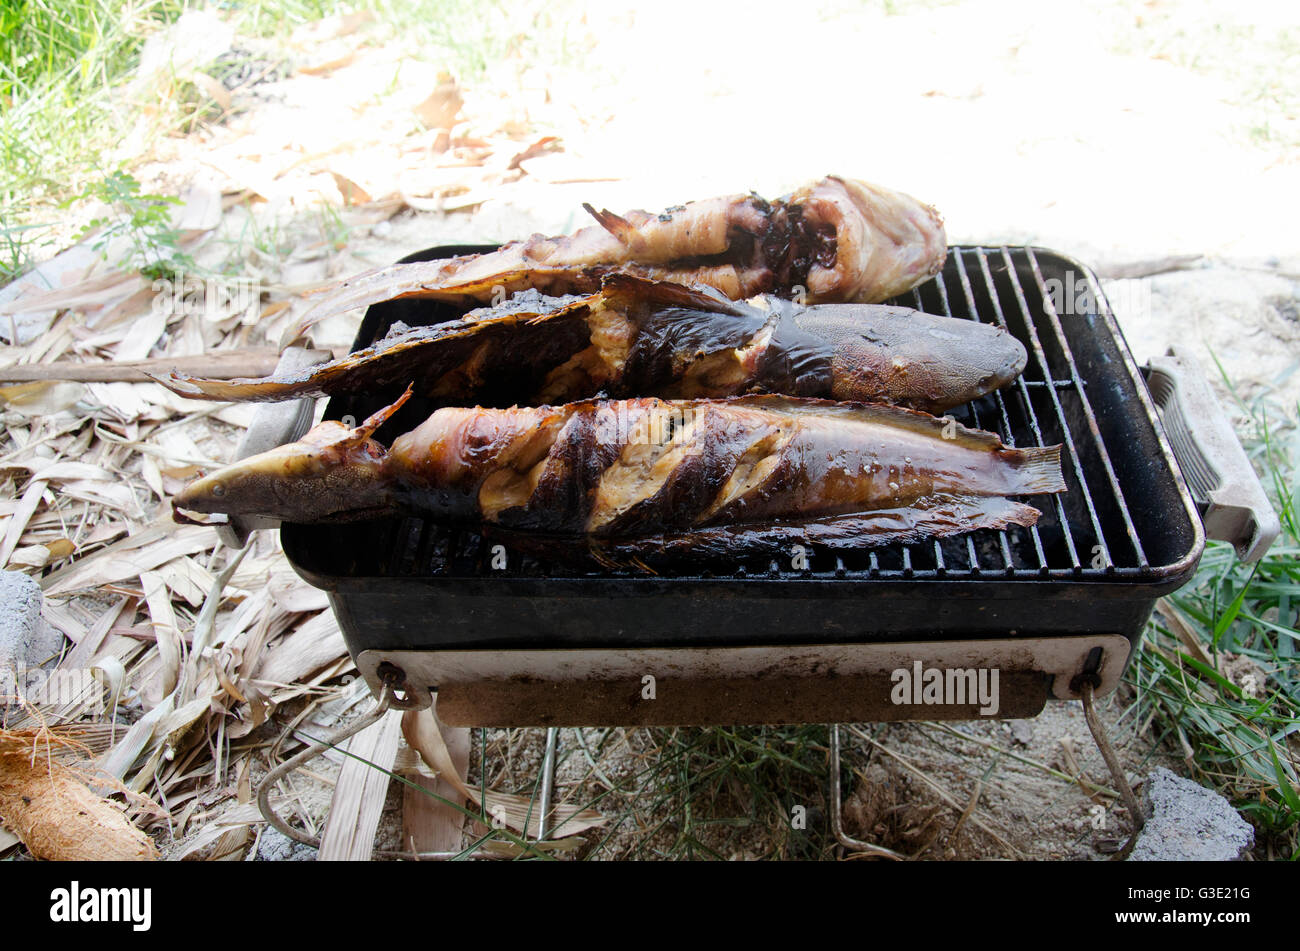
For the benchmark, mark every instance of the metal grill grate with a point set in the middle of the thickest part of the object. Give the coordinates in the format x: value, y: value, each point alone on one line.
x: 997, y: 275
x: 1088, y: 533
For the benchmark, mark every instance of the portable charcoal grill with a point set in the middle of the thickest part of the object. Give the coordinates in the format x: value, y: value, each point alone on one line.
x: 431, y: 610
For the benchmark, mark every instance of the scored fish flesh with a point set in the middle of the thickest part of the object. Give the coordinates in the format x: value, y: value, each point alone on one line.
x: 649, y: 476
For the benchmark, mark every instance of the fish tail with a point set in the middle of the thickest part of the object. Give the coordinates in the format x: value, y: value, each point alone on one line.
x: 1037, y: 470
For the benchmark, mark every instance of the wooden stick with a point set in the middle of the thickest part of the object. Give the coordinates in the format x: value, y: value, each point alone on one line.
x: 222, y: 365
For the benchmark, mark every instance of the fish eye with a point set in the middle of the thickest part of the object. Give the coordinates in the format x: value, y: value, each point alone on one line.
x: 218, y: 489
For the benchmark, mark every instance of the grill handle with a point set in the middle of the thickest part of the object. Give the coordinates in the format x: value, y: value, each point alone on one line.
x: 274, y: 424
x: 1233, y: 505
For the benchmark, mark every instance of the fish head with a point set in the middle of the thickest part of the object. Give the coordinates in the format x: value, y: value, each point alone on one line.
x: 307, y: 481
x: 335, y: 472
x: 902, y: 356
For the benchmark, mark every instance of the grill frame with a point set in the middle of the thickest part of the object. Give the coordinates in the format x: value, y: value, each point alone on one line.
x: 1081, y: 384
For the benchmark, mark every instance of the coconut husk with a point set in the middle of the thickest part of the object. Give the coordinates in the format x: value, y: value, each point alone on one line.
x: 48, y: 804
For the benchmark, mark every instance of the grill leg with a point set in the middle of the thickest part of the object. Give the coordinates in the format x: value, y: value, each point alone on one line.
x: 548, y: 781
x: 1102, y: 738
x: 264, y: 791
x: 837, y: 823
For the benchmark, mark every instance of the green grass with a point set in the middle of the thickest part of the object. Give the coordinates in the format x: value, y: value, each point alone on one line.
x: 16, y: 247
x: 143, y: 222
x: 64, y: 65
x: 717, y: 792
x: 706, y: 793
x: 58, y: 63
x: 1243, y: 742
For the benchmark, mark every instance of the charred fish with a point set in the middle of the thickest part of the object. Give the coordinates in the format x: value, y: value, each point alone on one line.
x: 648, y: 338
x: 649, y: 476
x: 836, y: 240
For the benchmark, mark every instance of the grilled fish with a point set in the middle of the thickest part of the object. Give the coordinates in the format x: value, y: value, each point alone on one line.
x: 836, y: 240
x: 652, y: 477
x: 646, y: 338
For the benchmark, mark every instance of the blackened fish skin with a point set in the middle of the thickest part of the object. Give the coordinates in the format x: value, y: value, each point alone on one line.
x: 896, y: 355
x: 649, y: 338
x: 653, y: 475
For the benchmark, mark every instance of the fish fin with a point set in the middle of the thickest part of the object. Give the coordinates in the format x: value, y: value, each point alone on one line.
x: 944, y: 427
x: 481, y: 288
x: 726, y: 545
x: 239, y: 389
x: 350, y: 373
x: 1038, y: 470
x: 376, y: 419
x: 938, y: 517
x: 178, y: 383
x: 628, y: 287
x: 616, y: 225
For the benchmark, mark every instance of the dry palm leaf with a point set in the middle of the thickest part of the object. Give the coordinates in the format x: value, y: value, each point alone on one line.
x: 428, y: 823
x: 359, y: 793
x: 41, y: 398
x: 240, y: 817
x: 314, y: 644
x: 22, y: 514
x: 94, y: 292
x: 143, y: 550
x: 518, y: 812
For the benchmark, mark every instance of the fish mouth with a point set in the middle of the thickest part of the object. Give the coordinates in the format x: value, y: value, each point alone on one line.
x: 1015, y: 363
x: 197, y: 497
x: 180, y: 518
x: 201, y: 497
